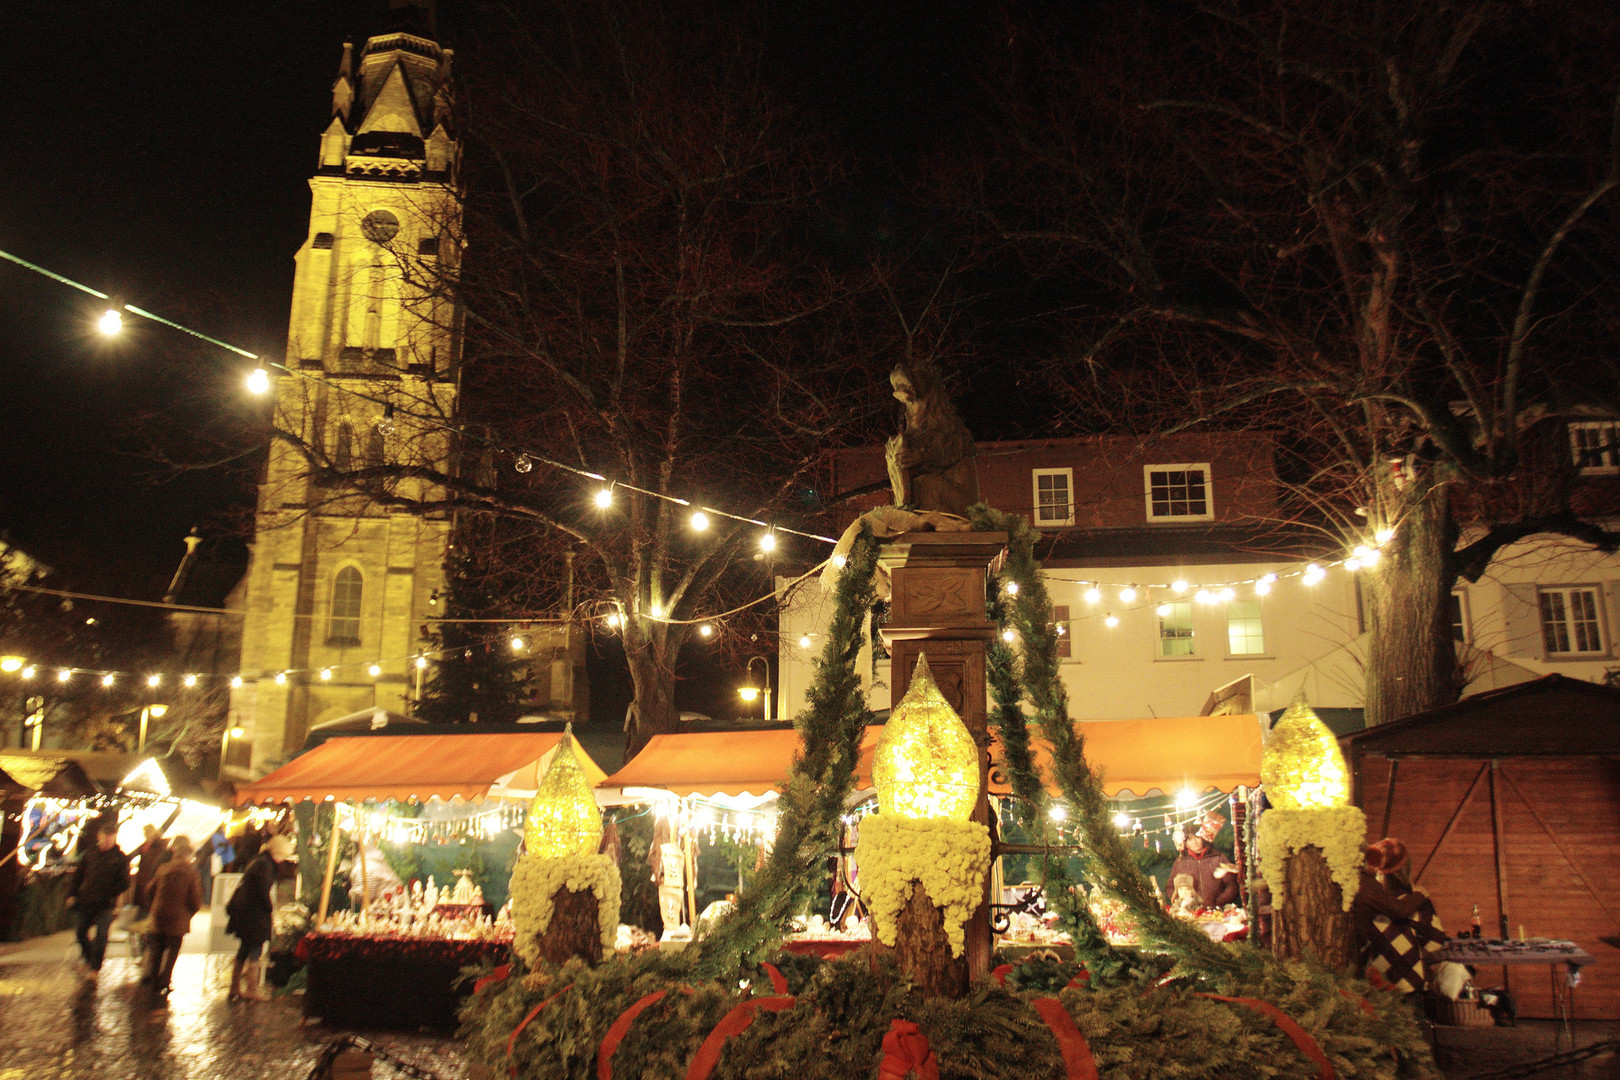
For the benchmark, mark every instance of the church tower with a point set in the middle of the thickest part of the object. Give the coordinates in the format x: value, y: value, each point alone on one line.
x: 338, y: 586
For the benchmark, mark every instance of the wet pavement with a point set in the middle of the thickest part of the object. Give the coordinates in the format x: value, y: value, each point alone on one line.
x: 55, y: 1025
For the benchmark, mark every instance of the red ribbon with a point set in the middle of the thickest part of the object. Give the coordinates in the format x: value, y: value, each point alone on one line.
x: 1301, y: 1037
x: 621, y: 1027
x: 1079, y: 981
x: 1357, y: 999
x: 1001, y: 973
x: 534, y: 1012
x: 492, y: 978
x: 734, y: 1022
x: 906, y: 1049
x: 1078, y: 1064
x: 778, y: 980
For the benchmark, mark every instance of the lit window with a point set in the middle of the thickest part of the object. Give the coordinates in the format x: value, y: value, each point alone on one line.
x: 1569, y: 621
x: 1060, y: 623
x: 1595, y: 447
x: 1457, y: 615
x: 1178, y: 493
x: 344, y: 626
x: 1244, y: 635
x: 1054, y: 496
x: 1176, y: 629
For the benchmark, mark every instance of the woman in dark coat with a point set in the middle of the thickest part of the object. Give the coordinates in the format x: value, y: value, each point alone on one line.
x: 176, y: 897
x: 252, y: 917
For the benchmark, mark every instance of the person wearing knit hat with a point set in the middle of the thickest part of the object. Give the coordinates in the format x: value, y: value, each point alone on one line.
x: 1213, y: 872
x: 1396, y: 926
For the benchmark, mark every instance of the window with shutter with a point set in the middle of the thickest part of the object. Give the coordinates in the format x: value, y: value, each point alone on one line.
x: 1570, y: 623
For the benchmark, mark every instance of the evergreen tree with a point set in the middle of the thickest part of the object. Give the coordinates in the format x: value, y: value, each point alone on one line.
x: 475, y: 677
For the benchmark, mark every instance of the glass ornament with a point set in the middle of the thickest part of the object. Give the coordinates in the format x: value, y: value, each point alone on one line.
x: 926, y: 764
x: 1301, y: 766
x: 563, y: 819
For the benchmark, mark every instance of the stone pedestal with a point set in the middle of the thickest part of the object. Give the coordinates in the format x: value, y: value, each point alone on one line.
x: 938, y: 608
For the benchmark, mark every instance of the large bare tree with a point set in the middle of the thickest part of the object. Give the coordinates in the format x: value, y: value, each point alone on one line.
x: 1384, y: 230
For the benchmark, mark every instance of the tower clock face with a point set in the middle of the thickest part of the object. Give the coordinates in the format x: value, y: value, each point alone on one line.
x: 379, y: 226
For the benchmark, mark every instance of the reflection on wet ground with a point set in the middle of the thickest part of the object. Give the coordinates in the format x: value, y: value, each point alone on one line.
x: 55, y: 1025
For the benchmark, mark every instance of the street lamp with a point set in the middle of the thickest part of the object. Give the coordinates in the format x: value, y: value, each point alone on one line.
x: 750, y: 692
x: 154, y: 711
x: 225, y: 747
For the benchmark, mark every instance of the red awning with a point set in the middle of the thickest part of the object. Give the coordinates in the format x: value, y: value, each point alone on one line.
x: 1135, y: 756
x: 413, y: 768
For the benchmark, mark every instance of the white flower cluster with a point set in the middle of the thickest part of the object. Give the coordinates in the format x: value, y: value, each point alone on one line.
x: 949, y: 857
x: 1338, y: 831
x: 536, y: 882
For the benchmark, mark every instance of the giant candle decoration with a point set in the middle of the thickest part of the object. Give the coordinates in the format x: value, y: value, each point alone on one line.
x: 926, y: 764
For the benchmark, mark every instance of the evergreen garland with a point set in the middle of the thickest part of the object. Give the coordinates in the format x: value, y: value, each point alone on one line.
x: 1107, y: 859
x: 819, y: 783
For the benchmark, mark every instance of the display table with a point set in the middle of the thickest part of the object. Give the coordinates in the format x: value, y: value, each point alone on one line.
x: 1491, y: 952
x: 401, y: 981
x: 825, y: 948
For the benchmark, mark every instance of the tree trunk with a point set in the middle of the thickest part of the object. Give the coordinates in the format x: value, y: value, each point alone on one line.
x: 1411, y: 658
x: 1312, y: 919
x: 652, y: 677
x: 573, y: 930
x: 923, y: 953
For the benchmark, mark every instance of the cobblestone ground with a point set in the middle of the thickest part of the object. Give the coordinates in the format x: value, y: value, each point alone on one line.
x: 54, y: 1025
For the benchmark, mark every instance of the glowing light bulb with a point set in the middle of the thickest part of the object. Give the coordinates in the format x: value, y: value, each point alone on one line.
x: 615, y: 620
x: 748, y: 693
x: 154, y: 680
x: 1162, y: 611
x: 281, y: 678
x: 1122, y: 821
x: 1371, y: 558
x: 1057, y: 813
x: 517, y: 644
x: 523, y: 463
x: 1111, y: 621
x: 111, y: 322
x: 11, y: 663
x: 700, y: 521
x: 189, y: 681
x: 1352, y: 564
x: 604, y: 498
x: 1204, y: 596
x: 1127, y: 595
x: 705, y: 630
x: 656, y: 611
x: 767, y: 542
x: 1186, y: 798
x: 106, y: 680
x: 326, y: 674
x: 1093, y: 595
x: 236, y: 682
x: 1384, y: 535
x: 839, y: 561
x: 64, y: 675
x: 1314, y: 574
x: 1262, y: 587
x: 804, y: 642
x: 258, y: 381
x: 28, y: 672
x: 1011, y: 588
x: 1226, y: 596
x: 421, y: 662
x: 374, y: 670
x: 1179, y: 585
x: 1008, y: 636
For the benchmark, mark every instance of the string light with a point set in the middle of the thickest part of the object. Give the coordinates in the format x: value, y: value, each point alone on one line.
x: 1313, y: 574
x: 700, y: 521
x: 107, y: 680
x: 1011, y: 588
x: 1111, y: 621
x: 421, y: 662
x: 28, y: 672
x: 258, y: 381
x: 705, y: 630
x: 154, y: 681
x: 1093, y: 595
x: 1384, y: 535
x: 189, y: 681
x: 804, y: 642
x: 111, y: 322
x: 1179, y: 585
x: 523, y: 463
x: 604, y: 498
x: 1127, y: 595
x: 1008, y: 636
x: 767, y: 542
x: 326, y: 674
x: 281, y: 678
x: 517, y: 644
x: 64, y: 675
x: 374, y: 670
x: 236, y: 682
x: 1162, y: 611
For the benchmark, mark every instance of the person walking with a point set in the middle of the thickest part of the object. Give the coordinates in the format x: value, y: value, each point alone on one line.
x: 252, y: 918
x: 101, y: 878
x: 176, y: 897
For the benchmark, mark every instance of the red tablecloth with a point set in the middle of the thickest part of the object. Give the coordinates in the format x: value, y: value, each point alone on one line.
x: 824, y: 949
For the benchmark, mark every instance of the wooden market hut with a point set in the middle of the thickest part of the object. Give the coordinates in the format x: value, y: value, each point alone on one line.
x: 1510, y: 800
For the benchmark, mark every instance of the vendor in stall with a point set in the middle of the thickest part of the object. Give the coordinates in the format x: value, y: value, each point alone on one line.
x: 1213, y: 873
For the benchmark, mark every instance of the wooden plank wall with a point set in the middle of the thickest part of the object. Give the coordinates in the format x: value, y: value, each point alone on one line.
x: 1577, y: 798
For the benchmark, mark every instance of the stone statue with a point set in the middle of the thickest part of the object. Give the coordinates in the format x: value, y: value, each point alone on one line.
x: 931, y: 462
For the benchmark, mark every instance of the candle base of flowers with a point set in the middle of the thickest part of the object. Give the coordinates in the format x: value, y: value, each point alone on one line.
x: 921, y: 880
x: 564, y: 907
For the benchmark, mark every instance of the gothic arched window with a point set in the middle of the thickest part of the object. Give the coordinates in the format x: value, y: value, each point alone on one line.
x: 376, y: 448
x: 343, y: 449
x: 343, y: 628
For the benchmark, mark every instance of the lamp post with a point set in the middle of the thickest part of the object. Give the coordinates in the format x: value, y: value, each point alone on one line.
x: 750, y: 692
x: 153, y: 711
x: 225, y: 747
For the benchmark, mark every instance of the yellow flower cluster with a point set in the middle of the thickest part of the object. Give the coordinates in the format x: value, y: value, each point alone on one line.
x: 1338, y: 831
x: 949, y: 857
x: 536, y: 880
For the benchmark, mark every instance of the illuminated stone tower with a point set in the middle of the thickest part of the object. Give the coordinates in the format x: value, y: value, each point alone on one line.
x: 338, y: 586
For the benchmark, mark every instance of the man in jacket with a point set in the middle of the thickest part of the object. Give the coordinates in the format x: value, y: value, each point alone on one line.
x: 1213, y: 874
x: 101, y: 878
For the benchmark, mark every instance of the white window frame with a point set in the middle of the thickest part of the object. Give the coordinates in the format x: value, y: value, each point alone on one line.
x: 1467, y: 638
x: 334, y: 637
x: 1062, y: 620
x: 1194, y: 466
x: 1566, y: 592
x: 1035, y: 492
x: 1608, y: 437
x: 1260, y: 608
x: 1159, y: 638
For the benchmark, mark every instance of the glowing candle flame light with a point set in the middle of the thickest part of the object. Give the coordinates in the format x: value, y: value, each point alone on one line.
x: 1301, y: 766
x: 563, y: 819
x: 926, y: 764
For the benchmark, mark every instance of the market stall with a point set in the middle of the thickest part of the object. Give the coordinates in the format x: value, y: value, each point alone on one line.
x: 408, y: 796
x: 1507, y: 801
x: 722, y: 784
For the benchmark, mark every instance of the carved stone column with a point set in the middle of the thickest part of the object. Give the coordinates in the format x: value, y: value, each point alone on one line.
x: 938, y: 607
